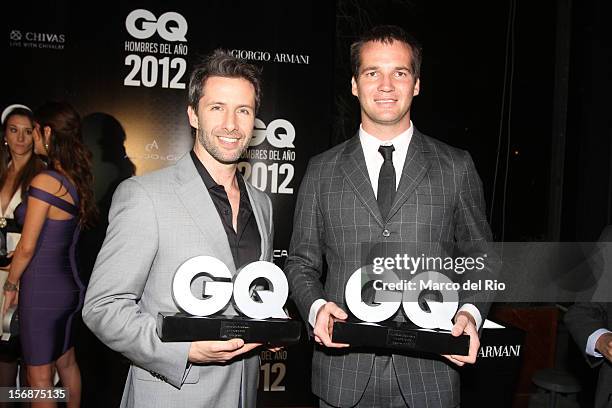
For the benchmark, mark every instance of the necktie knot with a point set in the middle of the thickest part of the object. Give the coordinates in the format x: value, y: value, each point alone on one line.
x: 387, y: 152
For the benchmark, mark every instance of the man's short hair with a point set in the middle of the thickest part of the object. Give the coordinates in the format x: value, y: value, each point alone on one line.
x: 387, y: 34
x: 222, y: 64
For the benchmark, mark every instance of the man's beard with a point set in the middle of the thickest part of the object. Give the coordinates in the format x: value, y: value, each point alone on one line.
x: 214, y: 151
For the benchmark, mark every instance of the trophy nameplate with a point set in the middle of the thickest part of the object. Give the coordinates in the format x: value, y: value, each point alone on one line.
x: 183, y: 327
x: 400, y: 336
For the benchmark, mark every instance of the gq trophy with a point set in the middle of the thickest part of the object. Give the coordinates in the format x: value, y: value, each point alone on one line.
x: 429, y: 331
x: 211, y: 317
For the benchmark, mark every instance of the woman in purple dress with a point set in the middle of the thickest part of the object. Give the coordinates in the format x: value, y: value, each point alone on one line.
x: 43, y: 269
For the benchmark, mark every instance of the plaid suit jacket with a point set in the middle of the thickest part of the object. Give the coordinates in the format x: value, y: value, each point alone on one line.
x: 439, y: 199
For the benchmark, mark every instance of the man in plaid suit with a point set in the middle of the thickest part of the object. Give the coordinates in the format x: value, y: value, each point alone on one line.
x: 344, y: 202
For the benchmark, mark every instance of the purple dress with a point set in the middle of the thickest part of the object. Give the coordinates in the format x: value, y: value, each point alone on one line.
x: 50, y: 291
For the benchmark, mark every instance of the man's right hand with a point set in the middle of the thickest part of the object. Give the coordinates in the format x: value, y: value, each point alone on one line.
x: 202, y: 352
x: 325, y: 323
x: 604, y: 345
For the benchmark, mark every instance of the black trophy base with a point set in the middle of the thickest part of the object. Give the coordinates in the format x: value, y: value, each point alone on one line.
x: 183, y: 327
x: 400, y: 336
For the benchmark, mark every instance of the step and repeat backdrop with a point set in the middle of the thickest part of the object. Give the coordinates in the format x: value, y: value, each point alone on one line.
x: 125, y: 67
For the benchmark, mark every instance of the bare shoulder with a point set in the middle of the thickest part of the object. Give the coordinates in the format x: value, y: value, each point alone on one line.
x: 48, y: 183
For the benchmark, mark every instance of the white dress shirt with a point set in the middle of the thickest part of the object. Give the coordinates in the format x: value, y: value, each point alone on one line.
x: 592, y: 342
x: 12, y: 238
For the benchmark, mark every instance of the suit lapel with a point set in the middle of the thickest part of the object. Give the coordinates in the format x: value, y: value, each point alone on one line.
x: 195, y: 198
x: 415, y: 168
x: 261, y: 223
x: 354, y: 167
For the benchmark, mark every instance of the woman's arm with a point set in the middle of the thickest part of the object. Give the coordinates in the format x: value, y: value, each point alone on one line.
x: 34, y: 220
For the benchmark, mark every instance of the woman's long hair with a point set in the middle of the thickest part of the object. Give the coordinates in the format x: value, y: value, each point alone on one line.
x: 32, y: 167
x: 67, y: 149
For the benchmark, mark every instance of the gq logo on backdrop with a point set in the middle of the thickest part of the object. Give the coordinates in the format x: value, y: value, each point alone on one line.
x: 279, y: 133
x: 151, y: 70
x: 273, y: 177
x: 142, y: 24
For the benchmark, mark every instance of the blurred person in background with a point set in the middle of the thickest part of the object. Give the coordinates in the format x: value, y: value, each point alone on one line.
x: 43, y: 277
x: 18, y: 166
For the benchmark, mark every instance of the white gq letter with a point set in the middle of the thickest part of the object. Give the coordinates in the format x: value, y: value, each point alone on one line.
x: 363, y: 311
x: 441, y: 314
x: 272, y: 301
x: 220, y: 292
x: 149, y: 24
x: 174, y: 33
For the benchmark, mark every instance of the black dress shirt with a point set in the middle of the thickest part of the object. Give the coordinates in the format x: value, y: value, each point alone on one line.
x: 245, y: 243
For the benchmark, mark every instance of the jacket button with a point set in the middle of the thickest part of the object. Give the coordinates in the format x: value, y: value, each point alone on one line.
x: 386, y: 233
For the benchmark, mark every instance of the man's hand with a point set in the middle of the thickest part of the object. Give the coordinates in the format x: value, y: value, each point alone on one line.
x: 324, y: 324
x: 604, y: 345
x: 202, y: 352
x: 465, y: 324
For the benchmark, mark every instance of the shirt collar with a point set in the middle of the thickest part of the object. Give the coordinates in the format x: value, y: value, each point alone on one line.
x: 400, y: 142
x: 209, y: 182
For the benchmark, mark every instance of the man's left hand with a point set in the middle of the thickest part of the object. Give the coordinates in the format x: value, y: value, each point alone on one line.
x: 465, y: 324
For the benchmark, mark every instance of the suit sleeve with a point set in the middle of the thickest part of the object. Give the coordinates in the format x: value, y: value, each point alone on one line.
x: 305, y: 259
x: 111, y: 307
x: 582, y: 319
x: 473, y: 234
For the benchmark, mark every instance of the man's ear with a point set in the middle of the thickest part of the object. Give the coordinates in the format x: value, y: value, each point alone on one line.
x: 417, y: 87
x: 354, y: 86
x: 193, y: 118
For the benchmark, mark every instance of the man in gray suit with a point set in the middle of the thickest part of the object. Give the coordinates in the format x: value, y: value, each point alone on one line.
x: 389, y: 183
x: 199, y: 206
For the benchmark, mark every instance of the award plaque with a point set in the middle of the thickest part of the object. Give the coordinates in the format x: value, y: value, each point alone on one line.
x: 427, y: 331
x: 400, y: 336
x: 263, y: 319
x: 183, y: 327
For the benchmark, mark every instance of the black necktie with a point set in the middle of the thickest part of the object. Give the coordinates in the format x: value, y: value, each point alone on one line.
x: 386, y: 181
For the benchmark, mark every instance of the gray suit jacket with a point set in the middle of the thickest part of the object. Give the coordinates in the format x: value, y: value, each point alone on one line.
x: 439, y: 199
x: 158, y: 221
x: 582, y: 319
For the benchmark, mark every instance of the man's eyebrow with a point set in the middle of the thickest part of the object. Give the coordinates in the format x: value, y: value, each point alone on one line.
x: 245, y: 105
x: 398, y: 68
x: 370, y: 68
